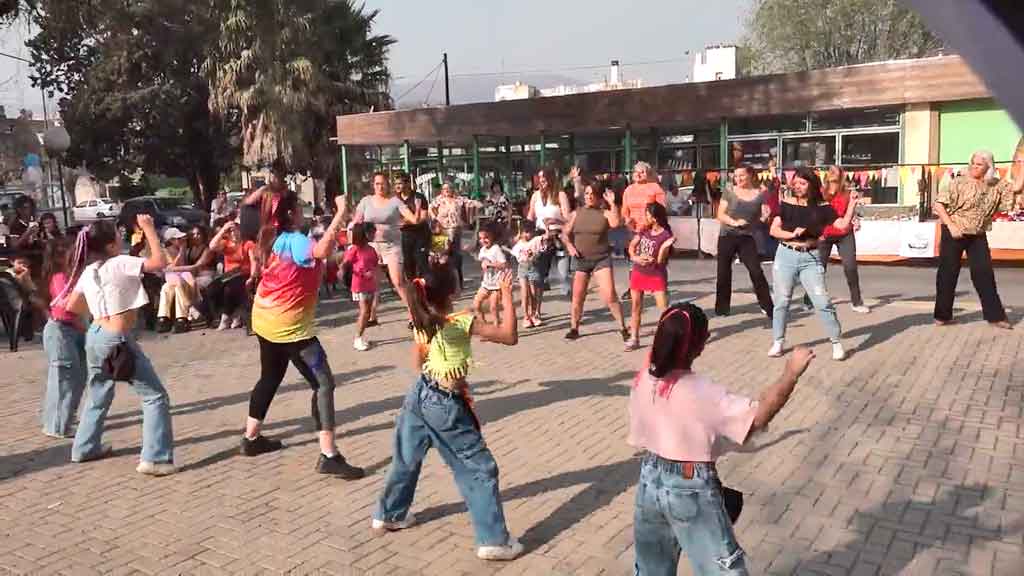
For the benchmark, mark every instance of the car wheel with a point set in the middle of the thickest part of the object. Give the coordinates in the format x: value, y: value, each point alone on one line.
x: 100, y: 215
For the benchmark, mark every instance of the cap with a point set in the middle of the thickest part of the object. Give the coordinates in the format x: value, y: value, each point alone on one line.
x: 173, y: 233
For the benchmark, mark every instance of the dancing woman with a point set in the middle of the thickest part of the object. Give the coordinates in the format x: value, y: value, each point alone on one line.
x: 282, y: 318
x: 842, y: 200
x: 110, y: 289
x: 966, y: 208
x: 550, y: 209
x: 586, y: 238
x: 438, y: 413
x: 679, y: 417
x: 799, y: 225
x: 744, y: 209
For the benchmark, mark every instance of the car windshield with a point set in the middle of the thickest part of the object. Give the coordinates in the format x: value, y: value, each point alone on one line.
x: 167, y: 203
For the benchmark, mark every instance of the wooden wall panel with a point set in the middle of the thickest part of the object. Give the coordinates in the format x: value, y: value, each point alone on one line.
x: 938, y: 79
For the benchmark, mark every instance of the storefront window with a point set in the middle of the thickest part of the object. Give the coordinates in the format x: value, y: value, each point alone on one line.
x: 768, y: 125
x: 846, y: 119
x: 677, y: 158
x: 815, y: 151
x: 869, y: 149
x: 709, y: 157
x: 756, y: 153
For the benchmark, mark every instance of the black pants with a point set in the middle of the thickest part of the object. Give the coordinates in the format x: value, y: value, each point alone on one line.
x: 984, y: 279
x: 848, y: 254
x: 309, y: 358
x: 415, y: 253
x: 728, y: 247
x: 227, y: 294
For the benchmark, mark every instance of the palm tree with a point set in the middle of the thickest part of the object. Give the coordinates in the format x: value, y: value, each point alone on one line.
x: 288, y: 68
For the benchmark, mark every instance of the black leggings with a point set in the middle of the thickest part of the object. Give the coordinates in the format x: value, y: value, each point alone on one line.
x: 309, y: 358
x: 730, y: 245
x: 227, y: 294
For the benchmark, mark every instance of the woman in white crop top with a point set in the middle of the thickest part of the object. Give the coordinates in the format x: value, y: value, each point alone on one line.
x: 551, y: 209
x: 110, y: 289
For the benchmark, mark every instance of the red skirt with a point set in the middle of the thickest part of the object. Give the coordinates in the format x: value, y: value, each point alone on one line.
x: 648, y: 282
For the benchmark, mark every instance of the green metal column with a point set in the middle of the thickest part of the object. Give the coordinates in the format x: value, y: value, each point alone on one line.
x: 656, y: 146
x: 543, y: 150
x: 343, y: 162
x: 572, y: 149
x: 380, y: 159
x: 627, y: 155
x: 476, y: 166
x: 406, y: 157
x: 723, y: 146
x: 508, y: 163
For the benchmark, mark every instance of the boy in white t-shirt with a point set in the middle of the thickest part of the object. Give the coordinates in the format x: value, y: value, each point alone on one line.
x: 492, y: 262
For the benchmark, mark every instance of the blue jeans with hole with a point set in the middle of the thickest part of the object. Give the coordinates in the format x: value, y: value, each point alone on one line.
x: 431, y: 417
x: 674, y: 514
x: 789, y: 267
x: 157, y: 438
x: 65, y: 378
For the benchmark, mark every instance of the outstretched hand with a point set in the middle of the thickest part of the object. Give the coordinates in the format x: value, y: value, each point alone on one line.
x: 798, y: 361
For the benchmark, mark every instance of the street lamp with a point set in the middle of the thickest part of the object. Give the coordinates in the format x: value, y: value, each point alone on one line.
x: 57, y: 141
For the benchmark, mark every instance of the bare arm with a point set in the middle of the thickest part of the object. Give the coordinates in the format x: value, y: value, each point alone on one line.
x: 775, y: 396
x: 613, y: 213
x: 723, y: 215
x: 665, y: 250
x: 157, y: 260
x: 507, y: 332
x: 567, y: 237
x: 563, y: 203
x: 778, y: 232
x: 530, y: 212
x: 940, y: 211
x: 326, y: 245
x: 76, y: 303
x: 843, y: 222
x: 217, y: 242
x: 254, y: 197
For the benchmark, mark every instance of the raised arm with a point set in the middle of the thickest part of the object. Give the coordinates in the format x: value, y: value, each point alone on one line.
x: 613, y: 214
x: 326, y: 245
x: 157, y: 260
x: 531, y: 214
x: 775, y: 396
x: 254, y: 197
x: 218, y: 240
x: 563, y: 203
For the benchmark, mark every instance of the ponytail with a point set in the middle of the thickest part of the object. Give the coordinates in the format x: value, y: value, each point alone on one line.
x: 430, y: 298
x: 75, y: 263
x: 680, y: 338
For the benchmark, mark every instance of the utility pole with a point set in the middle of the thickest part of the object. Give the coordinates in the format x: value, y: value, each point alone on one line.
x: 447, y: 91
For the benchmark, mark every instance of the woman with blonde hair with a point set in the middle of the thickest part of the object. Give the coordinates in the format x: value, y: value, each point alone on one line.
x: 966, y: 208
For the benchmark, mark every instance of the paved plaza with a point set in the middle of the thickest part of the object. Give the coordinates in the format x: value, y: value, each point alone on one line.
x: 908, y: 458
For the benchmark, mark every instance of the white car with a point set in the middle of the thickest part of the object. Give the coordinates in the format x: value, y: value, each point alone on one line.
x: 88, y: 210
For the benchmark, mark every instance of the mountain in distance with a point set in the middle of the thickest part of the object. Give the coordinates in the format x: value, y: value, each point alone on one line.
x: 470, y: 89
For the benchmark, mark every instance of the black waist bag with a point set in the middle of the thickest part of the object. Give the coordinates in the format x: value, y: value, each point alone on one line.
x: 120, y: 364
x: 733, y: 500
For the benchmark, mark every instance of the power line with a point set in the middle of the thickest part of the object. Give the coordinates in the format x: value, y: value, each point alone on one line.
x: 432, y: 84
x: 417, y: 85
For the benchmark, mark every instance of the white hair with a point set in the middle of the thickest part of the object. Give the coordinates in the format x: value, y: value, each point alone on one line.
x: 647, y: 169
x: 989, y: 159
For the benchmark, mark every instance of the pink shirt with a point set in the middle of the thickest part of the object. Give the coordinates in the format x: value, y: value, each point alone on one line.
x: 58, y: 313
x: 687, y: 424
x: 364, y: 262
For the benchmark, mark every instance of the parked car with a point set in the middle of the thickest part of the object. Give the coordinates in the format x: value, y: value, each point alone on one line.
x: 88, y: 210
x: 165, y: 212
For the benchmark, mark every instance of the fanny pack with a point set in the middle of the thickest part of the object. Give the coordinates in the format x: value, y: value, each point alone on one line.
x: 120, y: 363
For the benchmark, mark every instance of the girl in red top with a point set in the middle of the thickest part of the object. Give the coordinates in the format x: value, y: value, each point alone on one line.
x: 842, y: 200
x: 64, y: 343
x: 364, y: 261
x: 649, y: 251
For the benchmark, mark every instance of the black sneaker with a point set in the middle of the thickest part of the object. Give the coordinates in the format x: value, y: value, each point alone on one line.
x: 370, y: 323
x: 181, y: 326
x: 163, y: 325
x: 625, y: 296
x: 572, y: 334
x: 337, y: 466
x: 261, y: 445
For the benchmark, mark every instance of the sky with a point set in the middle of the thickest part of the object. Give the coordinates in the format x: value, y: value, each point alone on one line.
x: 485, y: 36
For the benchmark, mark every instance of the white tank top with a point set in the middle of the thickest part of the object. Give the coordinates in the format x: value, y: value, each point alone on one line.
x: 542, y: 211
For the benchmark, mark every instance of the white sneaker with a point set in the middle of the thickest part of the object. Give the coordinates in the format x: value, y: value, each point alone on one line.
x: 862, y: 309
x: 509, y: 551
x: 383, y: 526
x: 838, y: 354
x: 225, y: 321
x: 156, y: 468
x: 237, y: 322
x: 360, y: 344
x: 776, y: 350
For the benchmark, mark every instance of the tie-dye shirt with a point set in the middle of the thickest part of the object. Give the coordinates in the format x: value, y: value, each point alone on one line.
x: 286, y: 298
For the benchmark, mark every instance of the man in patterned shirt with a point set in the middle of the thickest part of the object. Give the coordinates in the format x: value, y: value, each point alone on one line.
x: 966, y: 208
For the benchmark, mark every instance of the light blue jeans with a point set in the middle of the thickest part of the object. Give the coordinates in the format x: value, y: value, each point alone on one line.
x: 431, y: 417
x: 65, y: 378
x: 790, y: 266
x: 157, y: 438
x: 675, y: 514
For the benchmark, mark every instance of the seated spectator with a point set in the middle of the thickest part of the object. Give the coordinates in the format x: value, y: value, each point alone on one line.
x: 177, y: 293
x: 229, y: 293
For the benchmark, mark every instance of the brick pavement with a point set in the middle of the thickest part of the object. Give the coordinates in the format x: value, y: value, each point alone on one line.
x: 906, y: 459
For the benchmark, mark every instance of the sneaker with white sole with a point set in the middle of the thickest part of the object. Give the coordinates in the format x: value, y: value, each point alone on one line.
x: 236, y: 323
x: 225, y: 322
x: 838, y: 354
x: 384, y: 526
x: 156, y: 468
x: 360, y: 344
x: 105, y: 451
x: 509, y: 551
x: 862, y: 309
x: 776, y: 350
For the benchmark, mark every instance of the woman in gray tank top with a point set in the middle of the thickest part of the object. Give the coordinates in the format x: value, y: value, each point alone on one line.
x: 586, y: 239
x: 741, y: 208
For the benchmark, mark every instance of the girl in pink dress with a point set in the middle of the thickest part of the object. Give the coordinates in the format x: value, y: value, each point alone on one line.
x: 649, y: 251
x: 364, y: 261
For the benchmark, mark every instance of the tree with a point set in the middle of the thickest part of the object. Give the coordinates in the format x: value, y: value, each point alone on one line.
x: 136, y: 97
x: 793, y: 35
x: 289, y: 68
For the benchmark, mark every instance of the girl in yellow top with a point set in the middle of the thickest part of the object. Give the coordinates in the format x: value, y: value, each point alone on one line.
x: 438, y: 412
